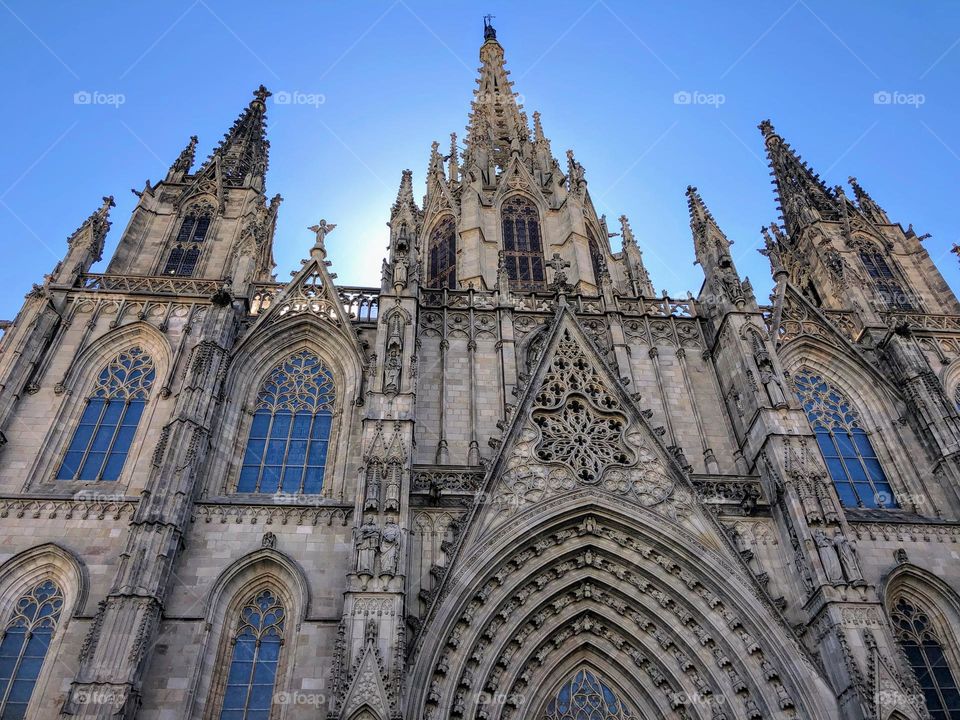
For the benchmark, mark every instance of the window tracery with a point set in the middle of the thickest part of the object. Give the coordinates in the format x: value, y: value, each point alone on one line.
x: 442, y: 254
x: 888, y: 286
x: 587, y: 697
x: 109, y: 422
x: 845, y: 445
x: 925, y: 654
x: 287, y: 446
x: 522, y: 244
x: 187, y: 246
x: 254, y: 660
x: 26, y: 639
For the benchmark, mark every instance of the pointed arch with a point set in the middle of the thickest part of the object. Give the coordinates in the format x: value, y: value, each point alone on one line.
x: 587, y: 695
x: 522, y: 242
x: 442, y: 253
x: 844, y: 441
x: 924, y: 613
x: 186, y: 244
x: 41, y: 589
x: 264, y: 573
x: 886, y: 280
x: 250, y: 363
x: 647, y: 597
x: 82, y: 381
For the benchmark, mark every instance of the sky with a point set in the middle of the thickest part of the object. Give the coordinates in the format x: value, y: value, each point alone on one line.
x: 651, y: 96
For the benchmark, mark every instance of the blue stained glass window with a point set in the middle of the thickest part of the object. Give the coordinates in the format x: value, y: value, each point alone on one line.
x: 102, y: 440
x: 256, y: 655
x: 927, y: 660
x: 851, y: 460
x: 287, y: 446
x: 585, y: 696
x: 23, y: 648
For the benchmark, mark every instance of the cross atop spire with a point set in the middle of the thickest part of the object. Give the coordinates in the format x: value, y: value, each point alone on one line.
x: 489, y: 33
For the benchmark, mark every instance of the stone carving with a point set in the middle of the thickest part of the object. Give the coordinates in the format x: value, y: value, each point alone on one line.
x: 390, y: 549
x: 367, y: 542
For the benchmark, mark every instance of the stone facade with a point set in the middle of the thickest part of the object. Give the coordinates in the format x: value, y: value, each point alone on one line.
x: 539, y: 473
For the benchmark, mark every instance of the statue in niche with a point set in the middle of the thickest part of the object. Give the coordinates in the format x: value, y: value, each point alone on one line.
x: 393, y: 364
x: 367, y: 541
x: 848, y: 559
x: 828, y: 557
x: 391, y: 499
x: 390, y: 549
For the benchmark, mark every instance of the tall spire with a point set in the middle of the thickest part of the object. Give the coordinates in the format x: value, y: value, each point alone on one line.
x: 867, y: 204
x: 640, y: 281
x: 713, y: 254
x: 495, y: 115
x: 804, y: 198
x: 244, y: 150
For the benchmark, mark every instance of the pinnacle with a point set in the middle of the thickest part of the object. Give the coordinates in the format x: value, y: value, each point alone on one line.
x: 244, y: 149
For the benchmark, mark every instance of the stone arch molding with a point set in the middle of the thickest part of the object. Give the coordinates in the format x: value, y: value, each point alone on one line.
x: 680, y: 629
x: 614, y: 564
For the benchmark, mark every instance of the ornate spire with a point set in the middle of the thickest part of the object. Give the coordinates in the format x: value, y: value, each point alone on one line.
x: 98, y: 224
x: 576, y: 178
x: 774, y: 249
x: 804, y: 198
x: 494, y: 112
x: 453, y: 161
x: 867, y: 205
x: 405, y: 195
x: 710, y: 243
x: 639, y: 277
x: 244, y: 150
x: 181, y: 166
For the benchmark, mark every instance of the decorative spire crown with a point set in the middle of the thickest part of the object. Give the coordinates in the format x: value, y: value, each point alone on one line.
x: 244, y: 149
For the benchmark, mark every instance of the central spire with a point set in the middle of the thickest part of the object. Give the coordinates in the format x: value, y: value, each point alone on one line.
x: 244, y: 149
x: 496, y: 118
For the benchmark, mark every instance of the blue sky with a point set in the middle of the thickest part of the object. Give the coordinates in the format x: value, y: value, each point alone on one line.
x: 395, y: 75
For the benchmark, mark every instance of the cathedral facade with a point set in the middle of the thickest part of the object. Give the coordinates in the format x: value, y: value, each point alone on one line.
x: 511, y: 483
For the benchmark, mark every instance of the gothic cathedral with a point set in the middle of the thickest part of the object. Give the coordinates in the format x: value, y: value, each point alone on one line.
x: 511, y: 483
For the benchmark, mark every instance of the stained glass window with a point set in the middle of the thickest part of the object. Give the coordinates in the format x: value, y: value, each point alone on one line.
x: 287, y: 446
x: 850, y: 457
x: 186, y: 248
x: 26, y: 638
x: 442, y: 254
x: 587, y: 697
x: 927, y: 660
x: 888, y: 288
x: 253, y: 664
x: 102, y: 440
x: 522, y: 245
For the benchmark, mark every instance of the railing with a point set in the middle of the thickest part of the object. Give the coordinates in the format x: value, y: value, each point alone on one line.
x: 362, y: 304
x: 923, y: 321
x: 546, y: 302
x: 742, y: 491
x: 142, y: 284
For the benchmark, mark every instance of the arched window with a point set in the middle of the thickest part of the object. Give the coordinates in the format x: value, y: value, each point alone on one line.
x: 256, y: 654
x: 442, y: 254
x: 186, y: 249
x: 925, y: 654
x: 596, y: 256
x: 287, y: 447
x: 102, y: 440
x: 846, y: 448
x: 888, y: 287
x: 587, y: 697
x: 26, y: 638
x: 522, y: 244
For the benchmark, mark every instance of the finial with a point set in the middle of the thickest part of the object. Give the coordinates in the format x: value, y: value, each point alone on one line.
x: 766, y: 128
x: 321, y: 229
x: 488, y: 32
x: 538, y: 127
x: 261, y: 94
x: 185, y: 159
x: 107, y: 204
x: 626, y: 232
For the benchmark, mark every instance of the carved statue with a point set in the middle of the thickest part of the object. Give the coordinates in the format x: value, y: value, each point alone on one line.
x: 321, y: 229
x: 390, y: 549
x: 828, y: 557
x: 368, y: 538
x: 393, y: 364
x: 848, y: 559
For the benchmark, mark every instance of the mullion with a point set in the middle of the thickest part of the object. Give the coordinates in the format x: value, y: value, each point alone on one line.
x: 263, y: 455
x: 113, y: 438
x: 93, y: 435
x: 253, y: 672
x: 16, y: 668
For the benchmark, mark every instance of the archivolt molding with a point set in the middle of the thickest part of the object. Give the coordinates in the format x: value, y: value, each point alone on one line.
x: 591, y: 576
x: 27, y: 569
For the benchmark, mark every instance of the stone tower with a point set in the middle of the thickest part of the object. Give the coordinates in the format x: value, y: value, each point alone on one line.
x: 512, y: 482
